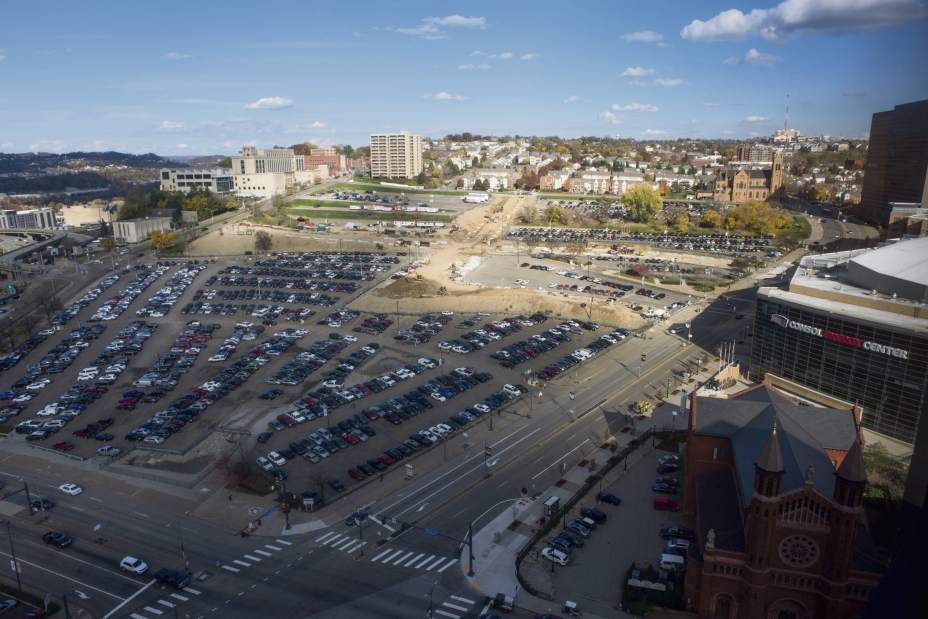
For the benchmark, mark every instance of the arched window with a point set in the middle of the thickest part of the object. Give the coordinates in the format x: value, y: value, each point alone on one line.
x: 724, y: 607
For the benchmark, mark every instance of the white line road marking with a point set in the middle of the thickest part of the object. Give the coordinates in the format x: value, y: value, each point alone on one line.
x: 284, y: 542
x: 348, y: 542
x: 414, y: 559
x: 45, y: 569
x: 421, y: 507
x: 447, y: 565
x: 454, y: 606
x: 328, y: 535
x: 571, y: 436
x: 437, y: 561
x: 465, y: 600
x: 424, y: 561
x: 263, y: 553
x: 141, y: 514
x: 70, y: 557
x: 439, y: 611
x: 180, y: 597
x: 153, y: 610
x: 387, y: 551
x: 137, y: 616
x: 393, y: 556
x: 404, y: 557
x: 251, y: 558
x: 541, y: 472
x: 334, y: 540
x: 231, y: 569
x: 191, y: 590
x: 93, y: 498
x: 502, y: 484
x: 355, y: 546
x: 240, y: 562
x: 166, y: 603
x: 385, y: 526
x: 271, y: 547
x: 125, y: 601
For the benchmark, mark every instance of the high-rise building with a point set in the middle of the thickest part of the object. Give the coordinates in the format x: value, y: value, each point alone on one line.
x: 897, y: 161
x: 396, y: 155
x: 29, y: 219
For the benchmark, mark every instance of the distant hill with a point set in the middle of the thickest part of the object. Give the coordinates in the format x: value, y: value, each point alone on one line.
x: 198, y: 161
x: 32, y: 163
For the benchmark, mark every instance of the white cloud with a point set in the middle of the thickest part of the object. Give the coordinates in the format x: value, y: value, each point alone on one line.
x: 318, y: 124
x: 727, y: 132
x: 270, y: 103
x: 643, y: 36
x: 431, y: 28
x: 177, y: 56
x: 753, y: 120
x: 443, y: 96
x: 610, y: 117
x: 571, y: 99
x: 668, y: 82
x: 6, y: 145
x: 637, y: 72
x: 732, y: 60
x: 752, y: 56
x: 48, y: 146
x: 170, y: 125
x: 181, y: 146
x: 711, y: 104
x: 654, y: 132
x: 504, y: 56
x: 633, y: 107
x: 474, y: 67
x: 529, y: 56
x: 796, y: 17
x: 494, y: 56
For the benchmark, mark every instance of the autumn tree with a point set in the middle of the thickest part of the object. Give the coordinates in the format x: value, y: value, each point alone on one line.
x: 553, y: 214
x: 263, y: 241
x: 161, y: 241
x: 679, y: 221
x: 643, y: 202
x: 710, y: 219
x: 757, y: 218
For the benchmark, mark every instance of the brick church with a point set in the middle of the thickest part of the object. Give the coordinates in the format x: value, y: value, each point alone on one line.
x: 777, y: 490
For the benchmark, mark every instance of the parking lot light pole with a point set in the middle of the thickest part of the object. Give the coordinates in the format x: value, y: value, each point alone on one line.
x: 15, y: 563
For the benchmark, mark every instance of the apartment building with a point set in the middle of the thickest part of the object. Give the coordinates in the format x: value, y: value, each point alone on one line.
x: 552, y: 181
x: 187, y: 180
x: 253, y: 160
x: 30, y: 219
x: 329, y: 157
x: 495, y: 179
x: 396, y: 155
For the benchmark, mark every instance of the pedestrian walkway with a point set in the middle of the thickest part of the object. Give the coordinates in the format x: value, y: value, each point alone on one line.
x: 257, y: 555
x: 166, y: 605
x: 455, y: 607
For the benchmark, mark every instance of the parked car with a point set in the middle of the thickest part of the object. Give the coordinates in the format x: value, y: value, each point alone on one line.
x: 667, y: 505
x: 610, y: 498
x: 555, y: 555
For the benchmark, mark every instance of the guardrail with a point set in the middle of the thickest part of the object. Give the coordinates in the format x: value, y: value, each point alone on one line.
x: 58, y: 452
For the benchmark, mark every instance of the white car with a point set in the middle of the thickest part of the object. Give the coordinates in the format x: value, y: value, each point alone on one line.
x: 23, y: 397
x: 438, y: 396
x: 265, y: 464
x: 483, y: 408
x: 153, y: 439
x: 555, y: 555
x: 108, y: 450
x: 50, y: 409
x: 276, y: 458
x: 350, y: 338
x: 39, y: 385
x: 72, y: 489
x: 133, y: 564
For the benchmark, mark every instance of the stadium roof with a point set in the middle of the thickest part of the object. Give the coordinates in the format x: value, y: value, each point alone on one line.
x: 900, y: 268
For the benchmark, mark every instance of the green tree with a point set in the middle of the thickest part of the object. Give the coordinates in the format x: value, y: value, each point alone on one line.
x: 643, y: 202
x: 710, y: 219
x: 263, y: 241
x: 161, y: 241
x: 553, y: 214
x: 886, y: 471
x: 679, y: 221
x: 225, y: 162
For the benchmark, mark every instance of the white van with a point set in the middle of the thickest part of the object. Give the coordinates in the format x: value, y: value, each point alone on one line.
x: 672, y: 562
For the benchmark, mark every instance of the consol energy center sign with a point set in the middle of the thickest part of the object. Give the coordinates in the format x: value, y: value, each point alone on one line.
x: 845, y: 340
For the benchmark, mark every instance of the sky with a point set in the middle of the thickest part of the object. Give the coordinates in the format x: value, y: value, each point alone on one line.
x: 194, y: 78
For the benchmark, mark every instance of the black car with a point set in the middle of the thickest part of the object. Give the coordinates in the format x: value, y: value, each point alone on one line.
x: 176, y: 579
x: 43, y: 503
x: 607, y: 497
x: 596, y: 515
x: 57, y: 538
x: 264, y: 437
x: 678, y: 532
x: 336, y: 485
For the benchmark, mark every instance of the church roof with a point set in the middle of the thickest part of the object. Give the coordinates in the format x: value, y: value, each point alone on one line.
x: 852, y: 467
x: 803, y: 434
x: 771, y: 459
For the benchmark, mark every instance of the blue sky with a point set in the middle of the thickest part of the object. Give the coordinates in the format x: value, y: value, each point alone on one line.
x: 206, y: 77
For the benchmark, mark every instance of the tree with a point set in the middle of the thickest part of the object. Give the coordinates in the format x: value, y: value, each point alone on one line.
x: 553, y: 214
x: 161, y: 241
x: 46, y: 299
x: 475, y: 162
x: 8, y: 331
x: 710, y: 219
x: 135, y: 206
x: 263, y: 241
x: 225, y: 162
x: 679, y: 221
x: 643, y: 203
x: 422, y: 179
x: 885, y: 470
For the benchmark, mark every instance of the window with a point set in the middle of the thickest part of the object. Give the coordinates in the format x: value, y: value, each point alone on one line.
x: 724, y: 605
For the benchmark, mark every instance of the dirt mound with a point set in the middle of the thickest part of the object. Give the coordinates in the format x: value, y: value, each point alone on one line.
x: 408, y: 287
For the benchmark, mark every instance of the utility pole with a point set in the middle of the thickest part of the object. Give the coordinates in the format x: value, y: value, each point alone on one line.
x: 15, y: 563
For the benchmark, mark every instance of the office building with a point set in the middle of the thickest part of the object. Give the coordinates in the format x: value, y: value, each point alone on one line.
x: 754, y: 153
x: 253, y: 160
x: 138, y: 230
x: 852, y: 326
x: 187, y: 180
x: 39, y: 218
x: 76, y: 215
x: 329, y: 157
x: 777, y: 491
x: 897, y: 161
x: 396, y: 155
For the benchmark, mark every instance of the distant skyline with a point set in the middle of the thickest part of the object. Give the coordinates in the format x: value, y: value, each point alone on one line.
x: 205, y: 78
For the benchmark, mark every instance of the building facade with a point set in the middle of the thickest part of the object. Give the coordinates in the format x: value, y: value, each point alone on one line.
x: 29, y: 219
x: 740, y: 183
x: 897, y: 161
x: 396, y: 155
x: 329, y: 157
x: 138, y: 230
x: 187, y: 180
x: 253, y: 160
x: 263, y: 185
x: 77, y: 215
x: 777, y: 491
x: 495, y: 179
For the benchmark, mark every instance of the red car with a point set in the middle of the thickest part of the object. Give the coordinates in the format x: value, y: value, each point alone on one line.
x: 351, y: 439
x: 387, y: 460
x: 63, y: 446
x: 665, y: 505
x: 355, y: 474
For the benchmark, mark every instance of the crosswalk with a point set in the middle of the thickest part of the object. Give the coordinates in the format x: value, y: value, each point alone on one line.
x: 255, y: 556
x: 398, y: 557
x: 454, y: 607
x: 165, y: 605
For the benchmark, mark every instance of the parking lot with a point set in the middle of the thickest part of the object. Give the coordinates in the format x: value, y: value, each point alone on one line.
x: 733, y: 245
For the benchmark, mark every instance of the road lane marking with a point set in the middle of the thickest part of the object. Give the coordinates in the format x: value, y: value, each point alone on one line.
x: 124, y: 601
x: 404, y: 557
x: 240, y: 562
x: 439, y: 611
x: 251, y: 558
x: 325, y: 537
x: 93, y: 565
x: 166, y: 603
x: 138, y: 616
x: 271, y: 547
x: 387, y: 551
x: 180, y: 597
x: 191, y: 590
x: 284, y: 542
x: 346, y: 543
x: 356, y: 546
x: 437, y: 561
x: 454, y: 606
x: 335, y: 540
x: 141, y: 514
x: 393, y: 556
x: 542, y: 471
x: 231, y: 569
x: 447, y: 565
x: 263, y: 553
x: 424, y: 561
x: 465, y: 600
x: 153, y: 610
x: 414, y: 559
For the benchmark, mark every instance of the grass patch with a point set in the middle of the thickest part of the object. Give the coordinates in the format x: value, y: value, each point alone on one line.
x: 367, y: 215
x: 318, y: 203
x: 363, y: 186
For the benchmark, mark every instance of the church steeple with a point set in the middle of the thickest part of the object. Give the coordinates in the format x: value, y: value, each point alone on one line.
x: 768, y: 470
x: 851, y: 478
